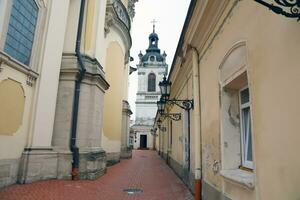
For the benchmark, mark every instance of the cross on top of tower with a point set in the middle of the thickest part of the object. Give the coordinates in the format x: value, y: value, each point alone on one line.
x: 153, y: 22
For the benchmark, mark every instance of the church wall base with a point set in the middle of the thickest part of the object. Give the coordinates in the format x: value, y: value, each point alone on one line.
x: 126, y: 153
x: 92, y: 164
x: 112, y: 158
x: 8, y: 171
x: 37, y: 164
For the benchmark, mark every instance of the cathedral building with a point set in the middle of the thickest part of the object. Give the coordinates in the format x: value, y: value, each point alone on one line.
x: 152, y: 68
x: 59, y: 94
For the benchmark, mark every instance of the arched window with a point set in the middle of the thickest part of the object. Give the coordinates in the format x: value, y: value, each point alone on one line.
x: 151, y: 82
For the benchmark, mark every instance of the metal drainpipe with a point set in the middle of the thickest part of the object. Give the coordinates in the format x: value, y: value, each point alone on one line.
x: 82, y: 70
x: 189, y: 141
x: 197, y: 124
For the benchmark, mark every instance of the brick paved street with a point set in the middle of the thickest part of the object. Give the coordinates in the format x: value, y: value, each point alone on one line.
x: 145, y: 171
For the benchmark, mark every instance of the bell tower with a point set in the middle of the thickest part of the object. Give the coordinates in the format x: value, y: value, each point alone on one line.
x: 151, y: 69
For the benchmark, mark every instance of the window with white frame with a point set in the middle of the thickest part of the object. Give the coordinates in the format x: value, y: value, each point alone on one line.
x: 246, y: 132
x: 21, y: 30
x: 235, y: 109
x: 236, y: 124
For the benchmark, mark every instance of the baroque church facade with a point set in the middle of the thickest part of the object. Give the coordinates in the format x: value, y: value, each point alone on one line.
x: 151, y: 69
x: 58, y: 63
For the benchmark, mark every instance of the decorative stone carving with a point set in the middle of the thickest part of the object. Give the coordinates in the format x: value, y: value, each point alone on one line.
x: 131, y: 8
x: 115, y: 9
x: 122, y: 13
x: 108, y: 23
x: 118, y: 18
x: 30, y: 80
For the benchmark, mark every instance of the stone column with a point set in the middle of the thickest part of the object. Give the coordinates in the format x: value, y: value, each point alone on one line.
x: 92, y: 158
x: 126, y: 151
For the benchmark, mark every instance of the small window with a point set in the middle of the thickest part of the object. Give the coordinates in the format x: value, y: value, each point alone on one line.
x: 153, y: 41
x: 246, y: 132
x: 152, y: 58
x: 151, y: 82
x: 21, y: 30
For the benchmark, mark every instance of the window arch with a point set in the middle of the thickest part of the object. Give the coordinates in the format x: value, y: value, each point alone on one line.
x: 151, y: 82
x: 236, y: 120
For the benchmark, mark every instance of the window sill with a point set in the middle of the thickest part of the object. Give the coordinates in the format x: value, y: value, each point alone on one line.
x: 239, y: 176
x: 13, y: 63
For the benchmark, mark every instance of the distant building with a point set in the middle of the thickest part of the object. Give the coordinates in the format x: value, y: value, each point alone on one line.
x: 151, y: 69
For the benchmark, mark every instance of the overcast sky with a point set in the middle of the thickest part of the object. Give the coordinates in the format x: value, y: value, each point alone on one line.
x: 170, y: 16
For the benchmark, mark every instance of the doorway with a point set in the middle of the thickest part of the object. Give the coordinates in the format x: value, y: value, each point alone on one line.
x: 143, y: 141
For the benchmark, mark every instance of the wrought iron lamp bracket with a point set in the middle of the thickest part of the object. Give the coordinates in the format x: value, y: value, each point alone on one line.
x: 184, y: 104
x: 162, y: 128
x: 292, y: 7
x: 172, y: 116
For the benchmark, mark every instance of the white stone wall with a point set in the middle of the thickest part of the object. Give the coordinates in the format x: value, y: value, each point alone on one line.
x: 144, y: 112
x: 143, y: 73
x: 146, y: 101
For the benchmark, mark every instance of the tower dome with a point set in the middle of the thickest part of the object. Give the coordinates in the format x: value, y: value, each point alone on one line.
x: 153, y: 52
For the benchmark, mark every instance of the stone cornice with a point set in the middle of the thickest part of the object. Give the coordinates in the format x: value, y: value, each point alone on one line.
x: 198, y: 29
x: 126, y: 108
x: 117, y: 17
x: 94, y: 72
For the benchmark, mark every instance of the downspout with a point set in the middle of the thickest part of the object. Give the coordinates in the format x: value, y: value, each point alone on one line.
x: 197, y: 124
x: 189, y: 140
x: 82, y: 70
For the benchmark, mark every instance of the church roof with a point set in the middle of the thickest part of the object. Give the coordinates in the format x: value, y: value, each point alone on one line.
x: 153, y: 52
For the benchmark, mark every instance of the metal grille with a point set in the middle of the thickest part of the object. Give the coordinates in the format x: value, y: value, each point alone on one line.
x: 132, y: 191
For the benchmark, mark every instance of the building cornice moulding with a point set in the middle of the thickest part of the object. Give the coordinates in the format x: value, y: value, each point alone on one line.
x: 94, y: 71
x: 126, y: 108
x: 6, y: 60
x: 204, y: 19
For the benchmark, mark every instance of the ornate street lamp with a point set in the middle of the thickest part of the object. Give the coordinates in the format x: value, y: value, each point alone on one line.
x: 159, y: 125
x: 161, y: 106
x: 288, y: 8
x: 165, y: 88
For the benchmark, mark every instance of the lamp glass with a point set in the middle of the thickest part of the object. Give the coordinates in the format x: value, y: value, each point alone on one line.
x: 160, y: 106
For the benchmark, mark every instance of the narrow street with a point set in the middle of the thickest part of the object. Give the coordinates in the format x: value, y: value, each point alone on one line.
x: 145, y: 171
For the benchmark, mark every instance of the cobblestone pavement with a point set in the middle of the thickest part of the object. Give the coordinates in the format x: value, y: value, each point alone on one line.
x: 145, y: 171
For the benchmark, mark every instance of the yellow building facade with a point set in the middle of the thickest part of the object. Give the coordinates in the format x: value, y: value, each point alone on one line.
x: 238, y: 61
x: 115, y: 137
